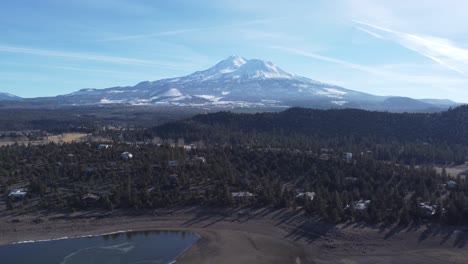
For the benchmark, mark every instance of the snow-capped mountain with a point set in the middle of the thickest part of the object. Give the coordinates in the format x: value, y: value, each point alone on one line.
x: 235, y: 81
x: 9, y: 97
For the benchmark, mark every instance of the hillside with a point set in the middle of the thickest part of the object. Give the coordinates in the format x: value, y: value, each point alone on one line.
x: 406, y: 137
x: 450, y: 126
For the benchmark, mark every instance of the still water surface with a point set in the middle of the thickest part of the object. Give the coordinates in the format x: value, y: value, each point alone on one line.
x: 120, y: 248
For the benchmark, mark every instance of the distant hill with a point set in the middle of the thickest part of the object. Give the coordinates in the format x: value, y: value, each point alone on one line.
x: 406, y: 104
x: 9, y: 97
x: 446, y: 127
x: 440, y: 102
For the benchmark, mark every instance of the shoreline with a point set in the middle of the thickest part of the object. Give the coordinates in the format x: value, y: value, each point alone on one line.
x: 269, y: 236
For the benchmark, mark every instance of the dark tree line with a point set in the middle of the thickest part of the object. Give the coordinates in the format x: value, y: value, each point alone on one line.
x: 60, y: 176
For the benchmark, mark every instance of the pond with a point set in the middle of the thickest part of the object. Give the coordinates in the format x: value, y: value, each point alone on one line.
x: 122, y: 248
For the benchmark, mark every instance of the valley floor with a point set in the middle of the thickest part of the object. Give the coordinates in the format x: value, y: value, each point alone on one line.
x: 262, y: 235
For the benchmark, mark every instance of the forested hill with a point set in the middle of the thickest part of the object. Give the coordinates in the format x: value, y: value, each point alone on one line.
x: 447, y: 127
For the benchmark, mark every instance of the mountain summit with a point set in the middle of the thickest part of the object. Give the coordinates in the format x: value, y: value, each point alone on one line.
x: 234, y: 82
x: 235, y: 67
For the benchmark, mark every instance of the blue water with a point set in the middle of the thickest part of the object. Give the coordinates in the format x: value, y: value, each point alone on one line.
x: 121, y: 248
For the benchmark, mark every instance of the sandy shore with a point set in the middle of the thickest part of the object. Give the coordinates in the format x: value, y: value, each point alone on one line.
x: 257, y: 236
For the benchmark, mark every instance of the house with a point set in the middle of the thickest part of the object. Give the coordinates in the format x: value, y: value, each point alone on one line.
x: 199, y: 159
x: 360, y: 205
x: 303, y: 196
x: 239, y: 196
x: 451, y: 185
x: 103, y: 146
x: 90, y: 198
x: 348, y: 156
x: 173, y: 179
x: 326, y: 150
x: 427, y: 210
x: 126, y: 155
x: 189, y: 147
x: 350, y: 179
x: 173, y: 163
x: 18, y: 194
x: 195, y: 160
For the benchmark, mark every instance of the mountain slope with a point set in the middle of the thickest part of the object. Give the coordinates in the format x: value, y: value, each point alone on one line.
x: 9, y: 97
x: 234, y: 81
x: 402, y: 104
x: 240, y: 82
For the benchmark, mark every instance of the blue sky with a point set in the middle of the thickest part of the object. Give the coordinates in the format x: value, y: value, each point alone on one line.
x: 404, y: 48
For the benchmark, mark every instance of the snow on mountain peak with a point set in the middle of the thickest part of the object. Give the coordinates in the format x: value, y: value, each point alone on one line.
x: 236, y: 60
x: 261, y: 69
x: 236, y: 67
x: 230, y: 64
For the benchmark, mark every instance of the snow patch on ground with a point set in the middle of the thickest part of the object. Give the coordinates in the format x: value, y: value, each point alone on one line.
x: 335, y: 91
x: 339, y: 102
x: 210, y: 97
x: 173, y: 92
x: 107, y: 101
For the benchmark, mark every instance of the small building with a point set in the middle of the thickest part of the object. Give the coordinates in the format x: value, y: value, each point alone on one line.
x: 304, y: 196
x: 348, y: 156
x: 427, y: 210
x: 451, y: 185
x: 90, y: 198
x: 103, y: 146
x: 200, y: 159
x: 239, y: 196
x: 360, y: 205
x: 18, y: 194
x: 173, y: 163
x: 189, y: 147
x: 326, y: 150
x: 350, y: 179
x: 126, y: 155
x: 174, y: 179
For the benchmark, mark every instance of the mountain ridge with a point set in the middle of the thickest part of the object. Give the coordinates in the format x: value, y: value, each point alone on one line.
x: 9, y: 97
x: 246, y: 83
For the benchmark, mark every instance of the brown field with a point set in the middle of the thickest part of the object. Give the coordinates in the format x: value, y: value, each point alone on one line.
x: 61, y: 138
x: 68, y: 137
x: 454, y: 171
x: 263, y: 235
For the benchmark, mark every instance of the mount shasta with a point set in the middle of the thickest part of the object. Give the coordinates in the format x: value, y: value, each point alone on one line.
x: 239, y: 82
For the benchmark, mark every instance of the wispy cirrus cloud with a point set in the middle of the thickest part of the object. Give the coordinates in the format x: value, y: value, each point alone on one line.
x: 382, y: 75
x: 188, y: 30
x: 442, y: 51
x: 86, y: 56
x: 344, y: 63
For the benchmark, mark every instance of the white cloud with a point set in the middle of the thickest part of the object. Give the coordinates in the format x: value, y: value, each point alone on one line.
x: 188, y: 30
x: 85, y: 56
x: 443, y: 51
x: 445, y: 18
x: 404, y: 79
x: 346, y: 64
